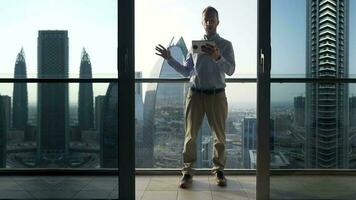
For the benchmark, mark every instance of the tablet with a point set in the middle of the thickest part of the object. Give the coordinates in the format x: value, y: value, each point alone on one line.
x: 197, y: 44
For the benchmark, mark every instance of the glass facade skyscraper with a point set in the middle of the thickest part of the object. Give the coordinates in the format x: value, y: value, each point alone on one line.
x: 327, y: 103
x: 20, y: 99
x: 164, y: 104
x: 110, y: 126
x: 85, y: 105
x: 53, y: 108
x: 3, y: 134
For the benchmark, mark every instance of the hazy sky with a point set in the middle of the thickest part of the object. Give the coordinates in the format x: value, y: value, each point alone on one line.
x: 158, y: 21
x: 91, y: 24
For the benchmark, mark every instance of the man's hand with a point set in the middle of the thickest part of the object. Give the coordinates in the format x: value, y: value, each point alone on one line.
x: 212, y: 51
x: 163, y: 52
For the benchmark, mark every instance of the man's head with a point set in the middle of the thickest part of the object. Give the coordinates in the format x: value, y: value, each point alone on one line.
x: 210, y: 20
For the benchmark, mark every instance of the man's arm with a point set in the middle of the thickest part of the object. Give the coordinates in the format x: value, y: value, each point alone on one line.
x: 226, y: 62
x: 184, y: 69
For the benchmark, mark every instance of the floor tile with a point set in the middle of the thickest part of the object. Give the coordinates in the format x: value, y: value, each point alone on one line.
x: 194, y: 195
x: 200, y: 183
x: 142, y: 183
x: 229, y: 195
x: 159, y: 195
x: 232, y: 185
x: 163, y: 184
x: 139, y: 194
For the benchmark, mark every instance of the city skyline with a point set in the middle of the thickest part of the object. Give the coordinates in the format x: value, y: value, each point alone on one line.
x: 91, y: 24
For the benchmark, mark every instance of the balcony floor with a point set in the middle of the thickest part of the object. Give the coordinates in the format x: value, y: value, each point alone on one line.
x: 165, y: 187
x: 204, y: 188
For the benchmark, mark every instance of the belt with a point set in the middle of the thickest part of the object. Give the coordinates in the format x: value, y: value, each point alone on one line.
x: 208, y: 91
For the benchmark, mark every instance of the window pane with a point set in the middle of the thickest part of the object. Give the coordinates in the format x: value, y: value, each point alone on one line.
x: 160, y: 126
x: 178, y: 23
x: 313, y: 122
x: 55, y: 39
x: 59, y: 125
x: 288, y: 38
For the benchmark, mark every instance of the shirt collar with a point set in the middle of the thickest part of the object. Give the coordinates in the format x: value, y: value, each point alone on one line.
x: 213, y: 37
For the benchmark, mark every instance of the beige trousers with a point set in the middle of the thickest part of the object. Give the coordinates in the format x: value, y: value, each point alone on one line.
x: 215, y: 107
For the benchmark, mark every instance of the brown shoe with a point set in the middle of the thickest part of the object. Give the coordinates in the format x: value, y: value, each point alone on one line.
x: 220, y: 178
x: 186, y: 181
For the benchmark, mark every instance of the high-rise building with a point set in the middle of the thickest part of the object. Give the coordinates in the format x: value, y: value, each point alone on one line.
x: 20, y: 101
x: 53, y: 105
x: 327, y: 103
x: 139, y: 121
x: 6, y: 101
x: 299, y: 111
x: 3, y: 134
x: 249, y: 139
x: 109, y: 133
x: 164, y: 115
x: 99, y: 102
x: 352, y: 110
x: 138, y: 86
x: 85, y: 98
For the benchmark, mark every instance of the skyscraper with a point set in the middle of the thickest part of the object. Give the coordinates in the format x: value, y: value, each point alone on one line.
x: 6, y: 102
x: 249, y: 139
x: 299, y: 111
x: 327, y: 103
x: 85, y: 98
x: 3, y: 134
x: 139, y: 121
x: 99, y: 102
x: 109, y: 133
x: 20, y: 102
x: 53, y: 105
x: 352, y: 110
x: 164, y: 115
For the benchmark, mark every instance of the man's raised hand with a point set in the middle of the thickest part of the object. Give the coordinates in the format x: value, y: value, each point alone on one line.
x: 212, y: 51
x: 163, y: 52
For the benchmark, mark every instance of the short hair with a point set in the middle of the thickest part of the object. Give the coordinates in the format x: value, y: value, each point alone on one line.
x: 210, y: 9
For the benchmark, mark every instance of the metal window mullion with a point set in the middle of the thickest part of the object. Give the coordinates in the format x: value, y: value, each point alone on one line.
x: 126, y: 100
x: 263, y: 98
x: 71, y: 80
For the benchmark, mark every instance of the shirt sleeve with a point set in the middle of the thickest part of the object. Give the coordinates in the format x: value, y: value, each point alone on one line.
x: 186, y: 68
x: 227, y: 60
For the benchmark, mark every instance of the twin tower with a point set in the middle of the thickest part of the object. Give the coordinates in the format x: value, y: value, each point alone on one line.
x: 52, y: 98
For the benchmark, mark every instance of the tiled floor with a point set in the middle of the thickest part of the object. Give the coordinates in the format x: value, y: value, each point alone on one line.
x: 166, y: 187
x: 204, y: 188
x: 58, y: 187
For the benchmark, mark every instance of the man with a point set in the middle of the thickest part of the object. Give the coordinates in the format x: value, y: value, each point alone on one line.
x: 206, y: 95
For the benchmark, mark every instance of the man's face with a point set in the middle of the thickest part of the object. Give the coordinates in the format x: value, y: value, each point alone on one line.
x: 210, y: 22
